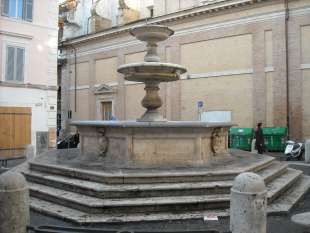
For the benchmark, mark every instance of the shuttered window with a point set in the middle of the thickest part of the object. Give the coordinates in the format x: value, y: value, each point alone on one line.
x: 20, y: 9
x: 5, y: 6
x: 28, y: 10
x: 15, y: 63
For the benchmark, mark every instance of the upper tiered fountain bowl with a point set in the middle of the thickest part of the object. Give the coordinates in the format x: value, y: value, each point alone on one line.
x: 151, y: 71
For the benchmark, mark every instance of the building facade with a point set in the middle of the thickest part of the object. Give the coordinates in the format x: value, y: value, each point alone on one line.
x: 28, y: 74
x: 248, y: 58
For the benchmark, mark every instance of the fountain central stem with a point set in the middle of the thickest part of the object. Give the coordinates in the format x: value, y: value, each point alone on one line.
x: 152, y: 102
x: 151, y: 55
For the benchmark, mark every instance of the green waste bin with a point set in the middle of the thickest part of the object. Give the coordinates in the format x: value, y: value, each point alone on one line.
x: 275, y: 138
x: 241, y: 138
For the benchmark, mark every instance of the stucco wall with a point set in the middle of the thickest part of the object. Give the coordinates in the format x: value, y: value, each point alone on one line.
x: 82, y: 105
x: 305, y: 37
x: 134, y: 95
x: 134, y: 92
x: 268, y: 49
x: 36, y: 99
x: 305, y: 60
x: 82, y: 74
x: 223, y: 54
x: 222, y: 58
x: 269, y: 99
x: 40, y: 40
x: 306, y: 103
x: 230, y: 93
x: 106, y: 70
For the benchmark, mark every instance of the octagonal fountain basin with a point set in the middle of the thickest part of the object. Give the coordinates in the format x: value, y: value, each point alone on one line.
x: 151, y: 71
x: 134, y: 144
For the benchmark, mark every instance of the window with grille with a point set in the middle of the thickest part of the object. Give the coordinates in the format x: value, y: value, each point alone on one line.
x: 15, y: 62
x: 19, y: 9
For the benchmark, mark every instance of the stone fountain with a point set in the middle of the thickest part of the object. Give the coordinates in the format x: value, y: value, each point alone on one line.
x: 151, y: 169
x: 152, y: 141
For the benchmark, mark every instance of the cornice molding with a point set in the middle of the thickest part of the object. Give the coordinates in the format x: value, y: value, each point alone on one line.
x: 28, y: 85
x: 182, y: 32
x: 188, y: 13
x: 13, y: 34
x: 269, y: 69
x: 219, y: 74
x: 104, y: 89
x: 81, y: 87
x: 304, y: 66
x: 225, y: 24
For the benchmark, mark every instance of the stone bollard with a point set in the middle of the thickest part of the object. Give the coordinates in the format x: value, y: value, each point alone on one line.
x: 29, y: 152
x: 307, y: 151
x: 14, y: 203
x: 248, y: 203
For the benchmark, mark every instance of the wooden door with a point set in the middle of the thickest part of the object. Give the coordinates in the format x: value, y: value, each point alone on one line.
x: 15, y: 130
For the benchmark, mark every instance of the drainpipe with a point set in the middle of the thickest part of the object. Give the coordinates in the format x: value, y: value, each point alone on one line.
x: 87, y: 30
x: 287, y: 67
x: 75, y: 79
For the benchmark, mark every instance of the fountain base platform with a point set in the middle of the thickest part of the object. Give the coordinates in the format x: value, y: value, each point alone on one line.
x: 88, y: 192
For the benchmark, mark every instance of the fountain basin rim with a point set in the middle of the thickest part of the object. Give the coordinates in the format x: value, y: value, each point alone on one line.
x: 142, y: 124
x: 151, y: 32
x: 151, y: 65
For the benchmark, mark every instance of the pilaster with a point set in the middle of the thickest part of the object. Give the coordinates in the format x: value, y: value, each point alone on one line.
x: 279, y: 76
x: 259, y: 81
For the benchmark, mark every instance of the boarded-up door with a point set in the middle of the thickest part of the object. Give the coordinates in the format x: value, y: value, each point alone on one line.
x: 15, y: 130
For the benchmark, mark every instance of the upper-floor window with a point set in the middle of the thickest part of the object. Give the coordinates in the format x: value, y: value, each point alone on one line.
x: 19, y: 9
x: 106, y: 109
x: 15, y: 62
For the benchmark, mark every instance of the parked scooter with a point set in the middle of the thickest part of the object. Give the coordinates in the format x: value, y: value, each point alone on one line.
x: 71, y: 141
x: 294, y: 150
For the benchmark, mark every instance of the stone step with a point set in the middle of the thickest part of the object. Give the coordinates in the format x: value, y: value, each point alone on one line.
x: 152, y: 204
x: 212, y: 173
x: 128, y: 205
x: 290, y: 197
x: 282, y: 183
x: 96, y: 189
x: 281, y: 205
x: 82, y: 218
x: 274, y: 170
